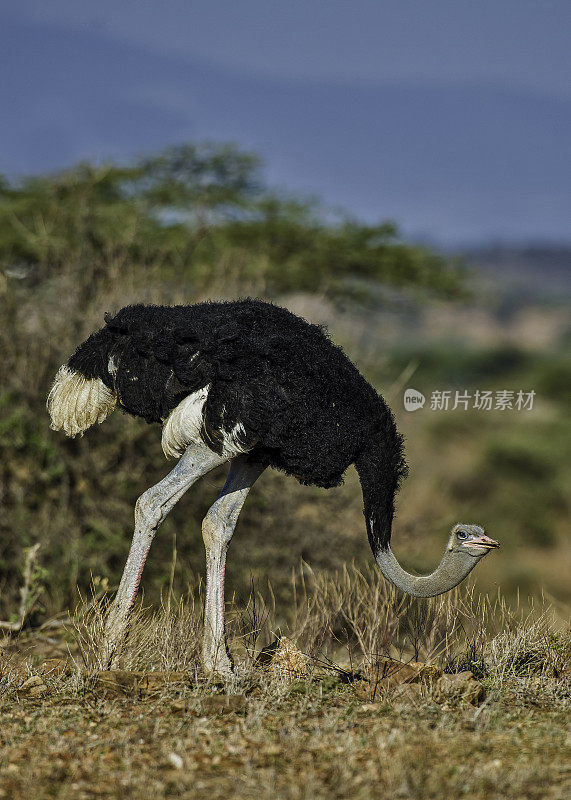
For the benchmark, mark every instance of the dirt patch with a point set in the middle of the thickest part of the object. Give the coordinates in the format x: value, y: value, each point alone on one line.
x: 315, y: 744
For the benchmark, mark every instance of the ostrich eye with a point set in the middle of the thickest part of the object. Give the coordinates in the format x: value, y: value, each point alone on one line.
x: 461, y: 535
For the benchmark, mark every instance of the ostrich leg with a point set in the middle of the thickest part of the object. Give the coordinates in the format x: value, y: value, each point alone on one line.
x: 217, y: 529
x: 150, y: 510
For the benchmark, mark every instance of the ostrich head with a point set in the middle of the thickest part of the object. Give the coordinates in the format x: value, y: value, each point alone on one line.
x: 470, y: 541
x: 466, y: 546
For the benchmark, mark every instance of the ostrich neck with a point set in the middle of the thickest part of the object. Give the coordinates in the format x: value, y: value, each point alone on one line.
x: 450, y: 572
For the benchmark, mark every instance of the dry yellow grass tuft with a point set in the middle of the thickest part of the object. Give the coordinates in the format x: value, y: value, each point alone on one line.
x: 317, y: 714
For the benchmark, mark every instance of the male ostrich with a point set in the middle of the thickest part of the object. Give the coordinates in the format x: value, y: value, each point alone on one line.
x: 253, y: 384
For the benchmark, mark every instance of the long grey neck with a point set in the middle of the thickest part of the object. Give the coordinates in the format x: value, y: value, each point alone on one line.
x: 450, y: 572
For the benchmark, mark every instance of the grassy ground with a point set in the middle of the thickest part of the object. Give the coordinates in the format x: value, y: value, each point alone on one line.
x: 302, y: 746
x: 331, y: 730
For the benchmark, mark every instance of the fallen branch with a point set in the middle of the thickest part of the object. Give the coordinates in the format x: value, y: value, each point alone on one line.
x: 31, y: 555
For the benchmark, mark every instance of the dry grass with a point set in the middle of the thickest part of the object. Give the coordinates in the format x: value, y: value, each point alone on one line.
x: 347, y: 618
x: 308, y: 738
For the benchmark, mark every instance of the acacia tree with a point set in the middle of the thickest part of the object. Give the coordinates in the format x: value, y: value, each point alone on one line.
x: 203, y: 213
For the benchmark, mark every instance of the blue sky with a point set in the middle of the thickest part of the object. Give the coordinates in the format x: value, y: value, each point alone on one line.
x: 513, y: 43
x: 451, y: 117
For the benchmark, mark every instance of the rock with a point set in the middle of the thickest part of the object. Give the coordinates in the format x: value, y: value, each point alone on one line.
x: 55, y: 668
x: 403, y: 692
x: 154, y: 682
x: 366, y: 692
x: 175, y: 760
x: 425, y: 673
x: 460, y: 687
x: 284, y: 660
x: 369, y: 708
x: 33, y: 687
x: 406, y: 693
x: 386, y: 673
x: 116, y: 682
x: 210, y: 705
x: 179, y: 706
x: 11, y: 670
x: 223, y: 703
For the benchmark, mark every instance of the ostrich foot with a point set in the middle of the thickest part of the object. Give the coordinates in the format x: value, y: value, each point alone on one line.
x: 109, y: 655
x: 114, y: 636
x: 216, y: 660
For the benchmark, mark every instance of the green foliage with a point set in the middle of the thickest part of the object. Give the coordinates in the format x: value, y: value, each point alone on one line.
x: 202, y: 214
x: 552, y: 378
x: 533, y: 495
x: 449, y: 365
x: 523, y: 476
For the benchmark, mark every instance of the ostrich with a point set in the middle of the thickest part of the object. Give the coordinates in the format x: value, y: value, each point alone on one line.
x: 249, y: 383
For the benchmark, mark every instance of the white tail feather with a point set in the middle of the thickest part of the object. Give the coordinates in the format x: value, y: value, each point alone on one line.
x: 75, y: 403
x: 184, y: 424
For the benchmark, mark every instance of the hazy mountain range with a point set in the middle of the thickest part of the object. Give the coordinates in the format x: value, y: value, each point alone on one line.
x: 451, y: 162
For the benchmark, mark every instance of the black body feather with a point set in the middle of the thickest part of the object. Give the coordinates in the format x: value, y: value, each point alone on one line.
x: 304, y: 406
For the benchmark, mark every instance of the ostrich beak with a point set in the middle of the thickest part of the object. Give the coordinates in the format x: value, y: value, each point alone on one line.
x: 482, y: 542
